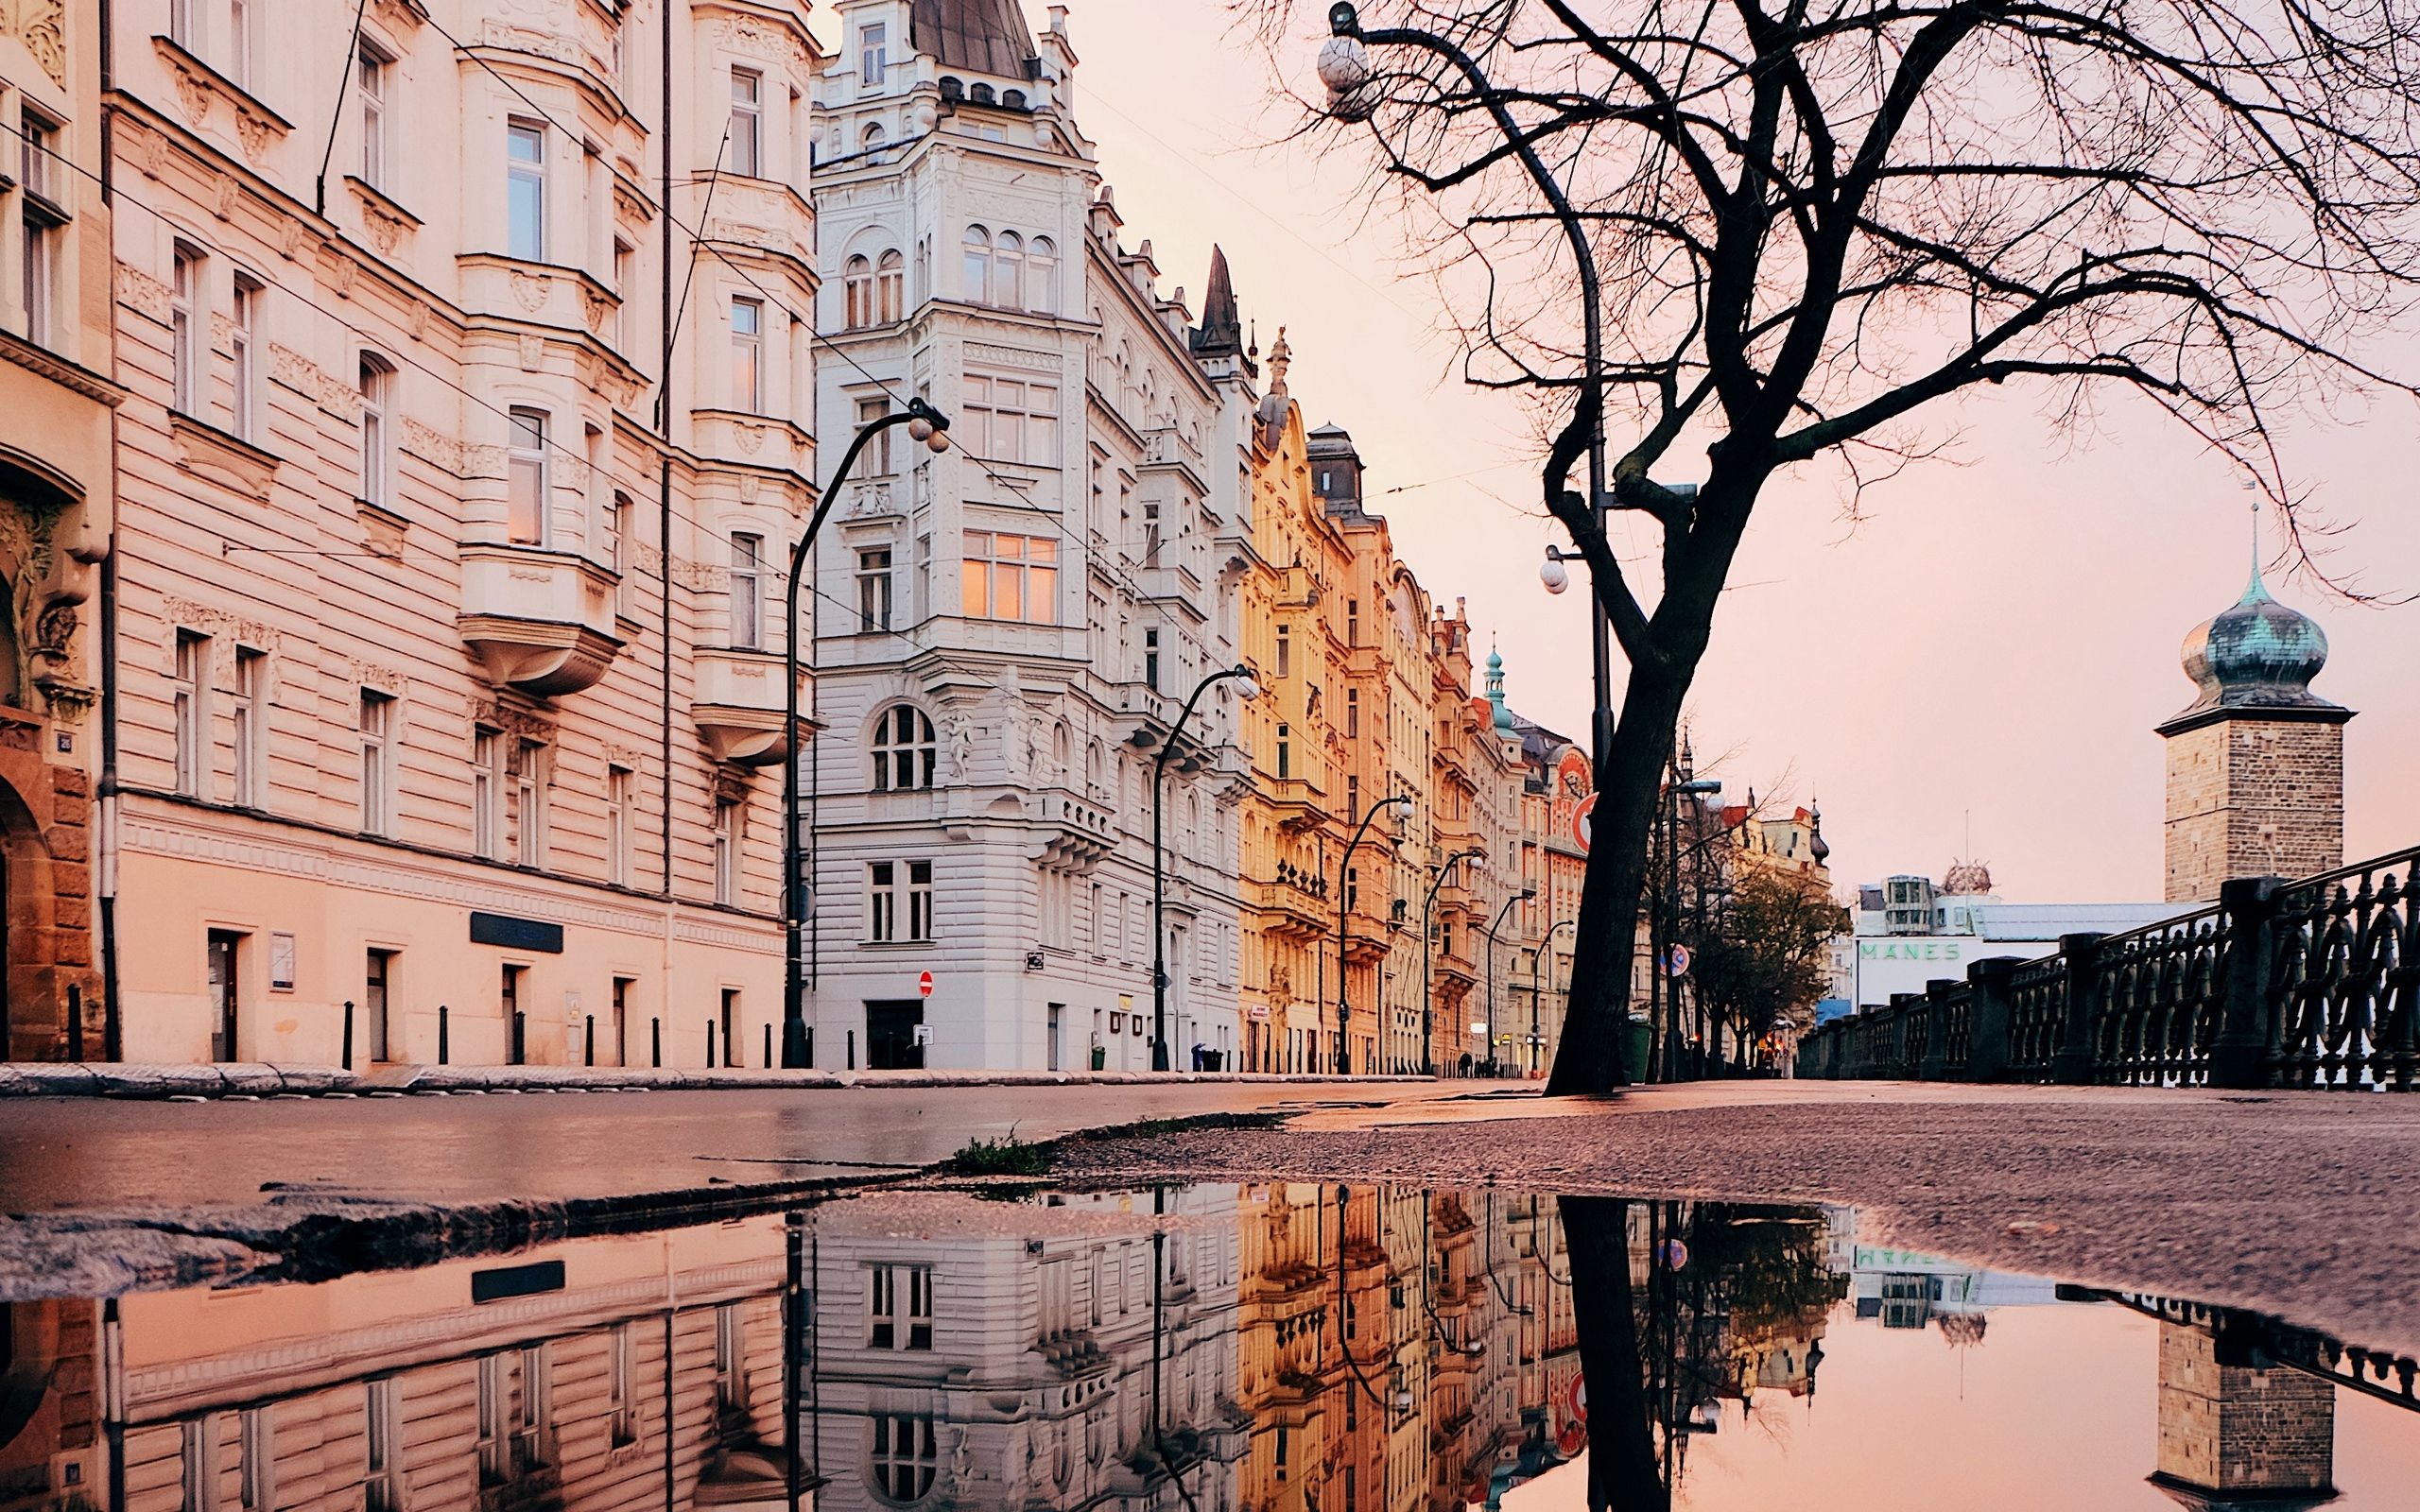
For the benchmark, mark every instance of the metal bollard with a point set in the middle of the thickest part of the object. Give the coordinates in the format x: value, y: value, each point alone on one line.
x: 74, y: 1021
x: 852, y: 1050
x: 769, y: 1047
x: 655, y: 1039
x: 112, y: 1039
x: 589, y: 1055
x: 443, y: 1040
x: 520, y: 1038
x: 709, y: 1044
x: 347, y: 1034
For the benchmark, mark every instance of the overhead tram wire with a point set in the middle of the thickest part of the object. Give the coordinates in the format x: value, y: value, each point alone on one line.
x: 700, y: 242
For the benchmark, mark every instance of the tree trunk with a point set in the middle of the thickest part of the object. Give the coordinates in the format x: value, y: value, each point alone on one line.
x: 1622, y: 1473
x: 1591, y: 1058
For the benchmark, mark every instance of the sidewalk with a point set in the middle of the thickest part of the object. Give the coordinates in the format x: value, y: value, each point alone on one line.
x: 254, y: 1080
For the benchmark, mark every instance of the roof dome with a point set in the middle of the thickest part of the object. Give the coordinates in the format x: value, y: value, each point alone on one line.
x: 1817, y: 847
x: 2258, y: 654
x: 1503, y: 712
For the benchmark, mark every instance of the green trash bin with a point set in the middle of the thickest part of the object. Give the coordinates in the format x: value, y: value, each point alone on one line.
x: 1100, y: 1057
x: 1642, y: 1041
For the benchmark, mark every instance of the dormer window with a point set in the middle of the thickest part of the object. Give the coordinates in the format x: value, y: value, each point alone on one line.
x: 874, y: 55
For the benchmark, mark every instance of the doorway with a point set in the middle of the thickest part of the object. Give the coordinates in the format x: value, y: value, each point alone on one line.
x: 375, y: 982
x: 616, y: 1031
x: 890, y: 1035
x: 221, y: 952
x: 515, y: 1046
x: 1057, y: 1029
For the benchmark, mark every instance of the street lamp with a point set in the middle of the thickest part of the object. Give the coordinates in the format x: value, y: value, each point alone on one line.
x: 1656, y: 978
x: 1427, y: 959
x: 930, y: 426
x: 1251, y: 690
x: 1536, y: 956
x: 1523, y: 896
x: 1401, y: 803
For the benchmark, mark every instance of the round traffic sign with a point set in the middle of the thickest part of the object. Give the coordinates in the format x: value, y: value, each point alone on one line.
x: 1581, y: 824
x: 924, y: 984
x: 1676, y: 963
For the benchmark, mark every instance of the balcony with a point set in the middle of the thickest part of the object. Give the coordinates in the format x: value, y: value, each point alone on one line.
x: 739, y: 705
x: 539, y: 621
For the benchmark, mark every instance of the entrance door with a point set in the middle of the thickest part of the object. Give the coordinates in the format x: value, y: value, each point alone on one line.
x: 890, y: 1035
x: 221, y: 954
x: 514, y: 1045
x: 373, y: 1003
x: 1058, y: 1027
x: 614, y: 1031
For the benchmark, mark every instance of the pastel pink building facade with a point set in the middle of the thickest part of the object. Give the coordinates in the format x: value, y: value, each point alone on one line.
x: 456, y: 483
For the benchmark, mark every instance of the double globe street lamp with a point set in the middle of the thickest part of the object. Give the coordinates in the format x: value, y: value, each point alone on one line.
x: 1248, y: 689
x: 1400, y: 805
x: 1493, y: 1067
x: 930, y: 426
x: 1429, y: 957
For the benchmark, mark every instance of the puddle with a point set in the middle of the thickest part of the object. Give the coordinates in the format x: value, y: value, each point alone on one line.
x: 1198, y: 1348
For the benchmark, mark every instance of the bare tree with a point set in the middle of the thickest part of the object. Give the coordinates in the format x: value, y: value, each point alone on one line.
x: 1778, y: 233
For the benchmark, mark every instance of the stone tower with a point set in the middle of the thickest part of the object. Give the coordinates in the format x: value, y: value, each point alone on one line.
x: 2232, y: 1436
x: 2256, y: 765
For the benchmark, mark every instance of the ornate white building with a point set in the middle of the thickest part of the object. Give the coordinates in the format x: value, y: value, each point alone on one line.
x: 453, y: 471
x: 1009, y: 628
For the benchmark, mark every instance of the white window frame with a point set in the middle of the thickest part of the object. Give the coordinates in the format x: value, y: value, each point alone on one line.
x: 748, y: 354
x: 252, y: 727
x: 242, y: 336
x: 532, y: 790
x: 43, y: 215
x: 382, y: 1457
x: 240, y: 42
x: 878, y: 598
x: 187, y: 301
x: 190, y: 706
x: 1009, y: 419
x: 525, y: 178
x: 975, y: 266
x: 377, y: 384
x: 1042, y: 276
x: 527, y: 476
x: 1007, y: 271
x: 372, y: 69
x: 378, y: 740
x: 621, y: 790
x: 874, y: 461
x: 726, y: 850
x: 256, y: 1440
x: 746, y: 594
x: 874, y: 55
x: 856, y: 292
x: 487, y: 793
x: 989, y: 566
x: 747, y: 122
x: 905, y: 1457
x: 905, y: 752
x: 899, y: 1308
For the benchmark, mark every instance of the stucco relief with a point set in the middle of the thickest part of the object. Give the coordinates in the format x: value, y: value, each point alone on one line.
x: 227, y: 631
x: 371, y: 675
x: 142, y: 294
x: 499, y: 716
x: 1011, y: 357
x: 315, y: 382
x: 42, y: 26
x: 563, y: 49
x: 461, y: 458
x: 756, y: 39
x: 530, y: 290
x: 337, y: 271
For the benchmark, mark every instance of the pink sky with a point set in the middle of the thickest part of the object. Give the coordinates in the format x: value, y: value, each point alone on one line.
x: 1993, y: 642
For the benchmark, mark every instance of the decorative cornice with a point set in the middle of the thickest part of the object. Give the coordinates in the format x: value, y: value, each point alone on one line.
x: 206, y: 451
x: 59, y: 370
x: 199, y: 86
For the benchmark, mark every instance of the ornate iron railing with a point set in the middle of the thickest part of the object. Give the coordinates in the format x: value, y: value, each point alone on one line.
x: 2307, y: 984
x: 2258, y: 1339
x: 2157, y: 1001
x: 2345, y: 975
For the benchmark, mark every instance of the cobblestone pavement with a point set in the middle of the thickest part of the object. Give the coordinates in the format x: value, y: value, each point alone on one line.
x: 2304, y: 1204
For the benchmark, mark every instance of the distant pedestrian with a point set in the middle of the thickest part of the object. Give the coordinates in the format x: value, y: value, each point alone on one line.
x: 1466, y: 1062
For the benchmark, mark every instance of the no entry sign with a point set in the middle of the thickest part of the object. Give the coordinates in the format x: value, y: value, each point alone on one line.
x: 924, y: 984
x: 1581, y: 818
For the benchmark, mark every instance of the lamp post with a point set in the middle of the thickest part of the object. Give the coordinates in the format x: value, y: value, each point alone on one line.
x: 1249, y: 689
x: 1659, y: 978
x: 1535, y: 1039
x: 930, y: 426
x: 1427, y: 959
x: 1523, y: 896
x: 1401, y: 802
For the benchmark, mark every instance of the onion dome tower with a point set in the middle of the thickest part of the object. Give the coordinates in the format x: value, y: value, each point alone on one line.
x: 2255, y: 763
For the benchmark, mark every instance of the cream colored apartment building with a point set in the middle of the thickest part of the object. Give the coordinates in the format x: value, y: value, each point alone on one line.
x: 467, y: 428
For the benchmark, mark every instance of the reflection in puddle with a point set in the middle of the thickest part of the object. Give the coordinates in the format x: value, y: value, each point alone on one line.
x: 1201, y: 1349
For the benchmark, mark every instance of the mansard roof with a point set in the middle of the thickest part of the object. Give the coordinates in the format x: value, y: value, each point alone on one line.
x: 981, y: 36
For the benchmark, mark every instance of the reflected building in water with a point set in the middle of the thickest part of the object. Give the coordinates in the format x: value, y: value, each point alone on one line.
x: 1266, y: 1348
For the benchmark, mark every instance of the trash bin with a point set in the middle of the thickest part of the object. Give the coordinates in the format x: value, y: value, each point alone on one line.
x: 1100, y: 1057
x: 1642, y: 1043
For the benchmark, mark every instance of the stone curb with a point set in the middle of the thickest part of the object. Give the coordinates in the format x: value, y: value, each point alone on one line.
x: 252, y: 1081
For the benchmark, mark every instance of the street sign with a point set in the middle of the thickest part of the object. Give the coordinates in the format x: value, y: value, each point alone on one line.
x: 1582, y: 821
x: 924, y: 984
x: 1676, y: 963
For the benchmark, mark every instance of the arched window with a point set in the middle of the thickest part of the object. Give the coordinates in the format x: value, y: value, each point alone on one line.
x: 378, y: 437
x: 874, y: 136
x: 1007, y: 271
x: 1042, y: 277
x: 903, y: 749
x: 857, y: 278
x: 975, y: 278
x: 889, y: 277
x: 905, y: 1457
